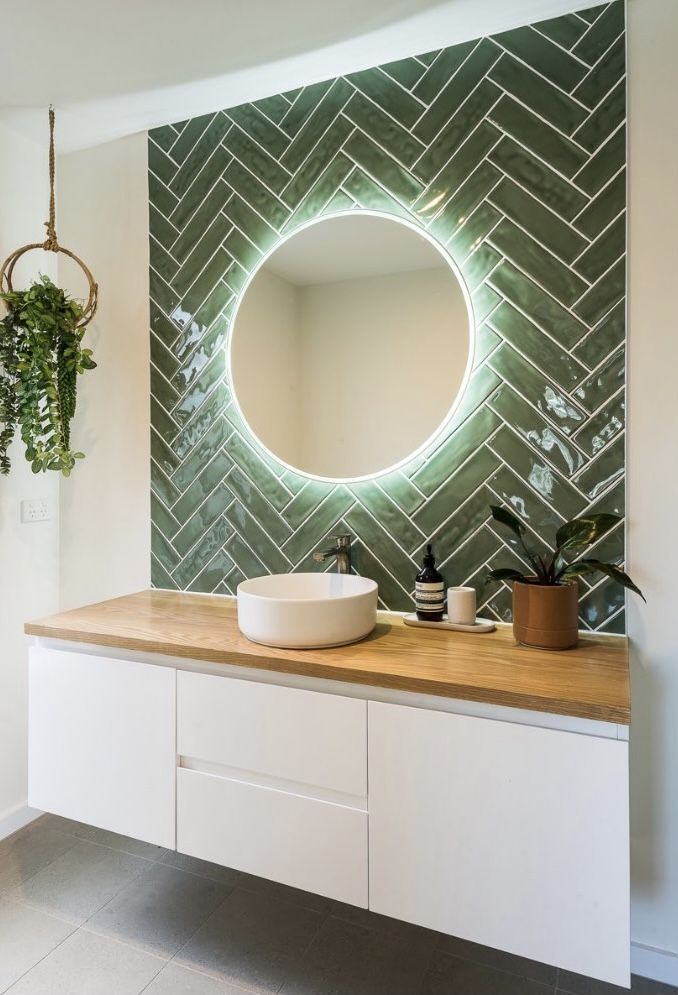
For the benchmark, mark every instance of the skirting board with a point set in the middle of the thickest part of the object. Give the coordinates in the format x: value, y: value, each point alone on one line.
x: 17, y: 818
x: 650, y: 962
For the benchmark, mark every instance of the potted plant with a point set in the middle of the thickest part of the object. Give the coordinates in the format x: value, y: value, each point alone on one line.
x: 546, y: 602
x: 41, y: 356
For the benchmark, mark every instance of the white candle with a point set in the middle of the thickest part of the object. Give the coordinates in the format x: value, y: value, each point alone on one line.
x: 461, y: 605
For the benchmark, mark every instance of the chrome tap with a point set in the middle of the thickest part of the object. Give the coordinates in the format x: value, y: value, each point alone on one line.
x: 342, y: 551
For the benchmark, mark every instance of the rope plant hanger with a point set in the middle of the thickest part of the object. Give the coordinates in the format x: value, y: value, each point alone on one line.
x: 51, y: 244
x: 41, y: 355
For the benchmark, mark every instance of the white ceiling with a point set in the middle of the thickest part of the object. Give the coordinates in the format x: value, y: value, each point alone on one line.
x: 112, y: 68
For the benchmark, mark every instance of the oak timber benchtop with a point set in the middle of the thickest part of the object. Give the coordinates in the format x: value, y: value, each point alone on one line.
x: 591, y: 681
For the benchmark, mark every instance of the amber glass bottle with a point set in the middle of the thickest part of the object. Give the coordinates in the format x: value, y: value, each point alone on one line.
x: 429, y: 590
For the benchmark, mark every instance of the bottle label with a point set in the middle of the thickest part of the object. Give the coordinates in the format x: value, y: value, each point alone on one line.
x: 429, y: 597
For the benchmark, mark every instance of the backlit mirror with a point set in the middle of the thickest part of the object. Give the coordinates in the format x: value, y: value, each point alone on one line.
x: 350, y: 346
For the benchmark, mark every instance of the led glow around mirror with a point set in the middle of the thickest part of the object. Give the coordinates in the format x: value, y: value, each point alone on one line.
x: 350, y: 346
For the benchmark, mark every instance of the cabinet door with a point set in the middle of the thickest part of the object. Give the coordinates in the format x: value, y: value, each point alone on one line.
x: 508, y: 835
x: 102, y: 742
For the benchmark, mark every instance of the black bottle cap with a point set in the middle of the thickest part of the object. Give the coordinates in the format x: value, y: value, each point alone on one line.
x: 429, y: 558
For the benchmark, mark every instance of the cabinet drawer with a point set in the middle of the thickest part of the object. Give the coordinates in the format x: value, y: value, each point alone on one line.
x: 293, y: 839
x: 287, y: 733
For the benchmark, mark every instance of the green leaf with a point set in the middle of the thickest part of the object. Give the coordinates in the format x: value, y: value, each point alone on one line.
x: 581, y: 532
x: 505, y: 573
x: 507, y: 517
x: 615, y: 572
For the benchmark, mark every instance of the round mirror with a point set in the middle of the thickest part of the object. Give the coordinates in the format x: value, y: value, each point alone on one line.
x: 351, y: 346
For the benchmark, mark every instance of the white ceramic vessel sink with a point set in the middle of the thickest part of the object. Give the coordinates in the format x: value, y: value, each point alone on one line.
x: 307, y: 610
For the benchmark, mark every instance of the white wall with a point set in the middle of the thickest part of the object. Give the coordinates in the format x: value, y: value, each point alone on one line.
x: 653, y: 481
x: 29, y: 564
x: 105, y: 510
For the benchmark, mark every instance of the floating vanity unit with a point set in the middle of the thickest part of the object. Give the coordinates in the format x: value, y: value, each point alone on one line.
x: 455, y: 781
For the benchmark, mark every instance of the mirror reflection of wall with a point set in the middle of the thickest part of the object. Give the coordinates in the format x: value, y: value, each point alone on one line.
x: 350, y: 346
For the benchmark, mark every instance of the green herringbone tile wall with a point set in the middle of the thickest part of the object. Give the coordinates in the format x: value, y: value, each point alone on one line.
x: 511, y: 151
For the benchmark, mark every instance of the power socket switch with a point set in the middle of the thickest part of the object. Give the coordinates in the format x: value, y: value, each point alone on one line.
x: 35, y: 510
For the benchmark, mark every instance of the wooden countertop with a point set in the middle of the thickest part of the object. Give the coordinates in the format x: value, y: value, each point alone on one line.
x: 591, y: 681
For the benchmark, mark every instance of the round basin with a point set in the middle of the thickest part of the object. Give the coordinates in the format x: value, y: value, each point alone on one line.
x: 305, y: 610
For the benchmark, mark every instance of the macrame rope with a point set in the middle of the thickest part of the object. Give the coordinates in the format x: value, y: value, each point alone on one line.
x: 51, y: 244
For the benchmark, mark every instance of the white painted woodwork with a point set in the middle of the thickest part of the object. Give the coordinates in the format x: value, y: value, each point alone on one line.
x: 102, y: 743
x: 511, y: 836
x: 288, y: 733
x: 297, y: 840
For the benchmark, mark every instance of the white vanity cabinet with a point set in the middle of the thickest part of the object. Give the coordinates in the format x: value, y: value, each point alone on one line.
x: 510, y: 835
x: 101, y: 745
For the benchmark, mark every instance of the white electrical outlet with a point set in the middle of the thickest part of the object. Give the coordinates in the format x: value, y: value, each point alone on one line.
x: 35, y: 510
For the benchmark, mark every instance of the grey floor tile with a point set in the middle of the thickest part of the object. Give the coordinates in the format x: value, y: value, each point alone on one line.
x: 526, y: 968
x: 252, y: 940
x: 160, y: 910
x: 177, y: 980
x: 79, y: 882
x: 125, y: 843
x: 203, y: 868
x: 68, y: 826
x: 345, y: 959
x: 28, y: 851
x: 373, y: 920
x: 86, y: 964
x: 262, y: 886
x: 449, y: 974
x: 578, y: 984
x: 26, y: 936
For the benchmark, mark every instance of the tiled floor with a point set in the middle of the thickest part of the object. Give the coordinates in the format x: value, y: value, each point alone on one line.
x: 86, y: 912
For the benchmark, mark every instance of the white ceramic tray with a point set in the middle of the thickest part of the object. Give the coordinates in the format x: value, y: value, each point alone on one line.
x: 480, y: 624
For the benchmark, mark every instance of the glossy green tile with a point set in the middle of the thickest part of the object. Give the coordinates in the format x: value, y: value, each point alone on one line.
x: 616, y: 625
x: 323, y: 520
x: 162, y: 453
x: 389, y: 553
x: 603, y: 251
x: 251, y: 498
x: 160, y: 579
x: 401, y: 490
x: 531, y: 89
x: 258, y: 540
x: 388, y: 95
x: 215, y: 304
x: 162, y: 550
x: 163, y: 262
x: 467, y: 559
x: 336, y: 172
x: 604, y: 472
x: 160, y: 196
x: 391, y: 593
x: 264, y: 132
x: 245, y: 219
x: 203, y: 183
x: 213, y: 574
x: 186, y: 472
x: 603, y: 76
x: 264, y: 166
x: 604, y: 207
x: 204, y: 483
x: 270, y: 207
x: 376, y: 163
x: 591, y: 14
x: 527, y: 339
x: 162, y: 391
x: 200, y: 154
x: 603, y: 602
x: 604, y: 164
x: 162, y: 486
x: 552, y: 189
x: 302, y: 105
x: 455, y: 92
x: 603, y: 338
x: 464, y: 202
x: 538, y: 389
x: 440, y: 69
x: 190, y: 134
x: 603, y: 295
x: 600, y: 36
x: 604, y: 120
x: 486, y: 342
x: 484, y: 300
x: 429, y: 57
x: 467, y: 439
x: 605, y: 425
x: 555, y: 447
x: 545, y: 269
x: 163, y: 518
x: 612, y: 501
x: 407, y: 72
x: 308, y: 173
x: 165, y: 136
x: 205, y: 248
x: 538, y: 473
x: 541, y: 307
x: 160, y: 164
x: 201, y: 554
x: 541, y: 54
x: 316, y: 123
x: 452, y: 175
x: 162, y: 422
x: 565, y: 30
x: 244, y: 252
x: 539, y: 515
x: 207, y: 415
x: 305, y: 501
x: 477, y: 267
x: 161, y: 293
x: 275, y: 107
x: 543, y: 224
x: 251, y: 463
x: 368, y: 194
x: 382, y: 129
x: 529, y: 130
x: 200, y: 389
x: 471, y: 234
x: 450, y: 515
x: 160, y: 228
x: 244, y: 558
x: 388, y: 514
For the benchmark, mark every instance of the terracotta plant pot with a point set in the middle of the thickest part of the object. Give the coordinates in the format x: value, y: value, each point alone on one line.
x: 546, y: 616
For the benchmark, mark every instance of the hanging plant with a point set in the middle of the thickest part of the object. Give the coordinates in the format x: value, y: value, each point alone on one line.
x: 41, y: 356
